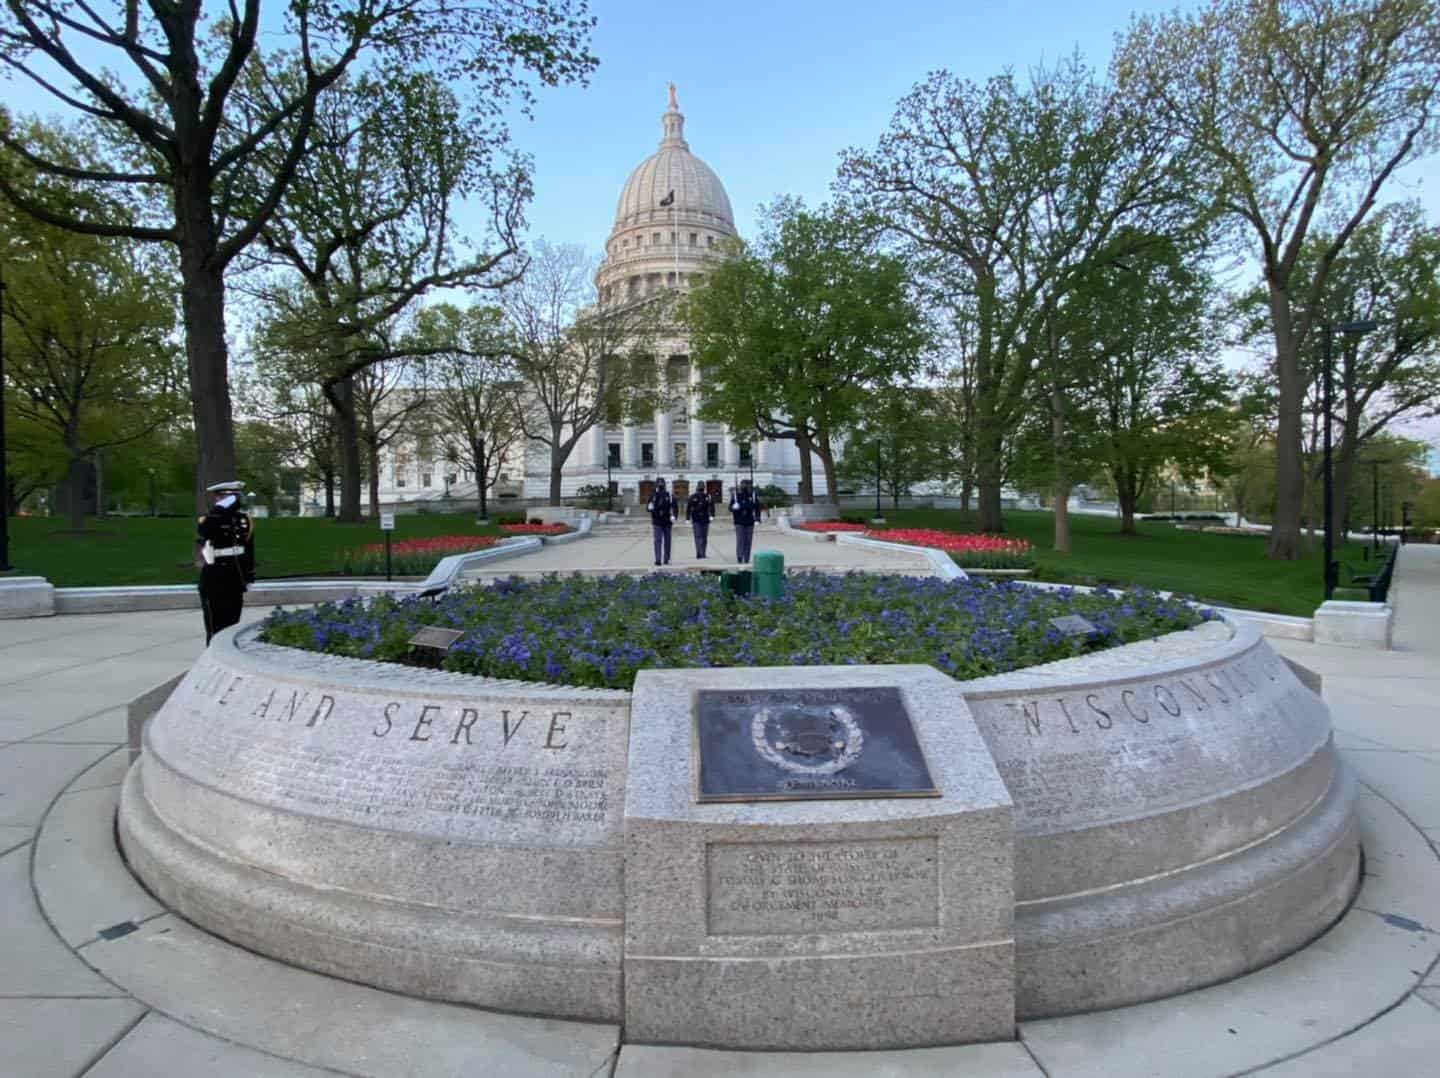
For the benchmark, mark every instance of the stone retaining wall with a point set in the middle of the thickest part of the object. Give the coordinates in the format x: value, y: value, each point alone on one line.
x: 1180, y: 817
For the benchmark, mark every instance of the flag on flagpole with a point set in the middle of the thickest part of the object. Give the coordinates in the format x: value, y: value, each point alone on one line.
x: 669, y: 200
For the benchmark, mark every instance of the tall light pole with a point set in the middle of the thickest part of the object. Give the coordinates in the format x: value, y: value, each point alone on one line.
x: 877, y: 478
x: 1349, y: 329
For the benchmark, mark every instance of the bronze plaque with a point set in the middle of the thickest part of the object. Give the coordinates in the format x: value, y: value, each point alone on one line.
x: 801, y: 744
x: 434, y: 637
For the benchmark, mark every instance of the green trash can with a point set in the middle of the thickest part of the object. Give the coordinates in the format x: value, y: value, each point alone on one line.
x: 769, y: 574
x: 735, y: 582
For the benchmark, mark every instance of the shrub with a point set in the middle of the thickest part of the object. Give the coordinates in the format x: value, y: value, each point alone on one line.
x: 773, y: 497
x: 594, y: 495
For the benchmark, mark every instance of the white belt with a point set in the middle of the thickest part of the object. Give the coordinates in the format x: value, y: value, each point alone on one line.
x: 230, y: 552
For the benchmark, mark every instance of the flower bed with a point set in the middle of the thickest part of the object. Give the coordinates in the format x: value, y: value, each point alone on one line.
x: 534, y: 527
x: 832, y: 526
x: 599, y: 631
x: 968, y: 551
x: 411, y: 557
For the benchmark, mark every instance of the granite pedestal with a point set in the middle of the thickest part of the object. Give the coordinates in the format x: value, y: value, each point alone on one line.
x: 852, y: 923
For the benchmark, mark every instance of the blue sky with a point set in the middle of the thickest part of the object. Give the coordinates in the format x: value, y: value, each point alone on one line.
x: 772, y: 92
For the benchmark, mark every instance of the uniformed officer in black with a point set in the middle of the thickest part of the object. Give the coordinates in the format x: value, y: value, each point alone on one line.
x: 663, y: 511
x: 698, y: 511
x: 745, y: 509
x: 226, y: 542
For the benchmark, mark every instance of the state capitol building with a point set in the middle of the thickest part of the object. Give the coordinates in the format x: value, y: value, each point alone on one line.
x: 655, y: 243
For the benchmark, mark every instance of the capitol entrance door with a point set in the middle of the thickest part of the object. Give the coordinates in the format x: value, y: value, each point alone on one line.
x: 647, y: 488
x: 715, y: 488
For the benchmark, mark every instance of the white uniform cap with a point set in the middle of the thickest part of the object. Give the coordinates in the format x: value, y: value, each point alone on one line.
x: 228, y: 485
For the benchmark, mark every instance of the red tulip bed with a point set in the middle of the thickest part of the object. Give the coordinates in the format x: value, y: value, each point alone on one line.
x: 969, y: 551
x: 411, y: 557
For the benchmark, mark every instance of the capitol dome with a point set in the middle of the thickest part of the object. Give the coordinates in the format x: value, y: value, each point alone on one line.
x: 700, y: 197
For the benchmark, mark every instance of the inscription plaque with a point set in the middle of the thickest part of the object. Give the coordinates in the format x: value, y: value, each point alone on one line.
x: 434, y: 637
x: 1073, y: 625
x: 764, y: 888
x: 800, y: 744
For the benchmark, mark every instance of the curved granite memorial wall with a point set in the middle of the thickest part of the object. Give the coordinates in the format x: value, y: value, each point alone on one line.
x: 1180, y: 816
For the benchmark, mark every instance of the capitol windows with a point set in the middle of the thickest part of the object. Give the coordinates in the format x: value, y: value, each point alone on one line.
x: 424, y: 479
x: 681, y: 455
x: 709, y: 241
x: 655, y: 239
x: 673, y: 240
x: 612, y: 453
x: 712, y: 454
x: 647, y: 454
x: 694, y: 239
x: 744, y: 454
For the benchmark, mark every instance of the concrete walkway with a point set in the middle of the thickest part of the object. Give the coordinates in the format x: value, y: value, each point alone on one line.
x: 96, y: 979
x: 628, y: 546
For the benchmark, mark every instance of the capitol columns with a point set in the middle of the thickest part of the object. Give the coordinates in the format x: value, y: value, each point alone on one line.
x: 731, y: 449
x: 629, y: 445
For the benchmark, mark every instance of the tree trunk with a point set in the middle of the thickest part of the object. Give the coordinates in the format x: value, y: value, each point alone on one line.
x: 202, y: 302
x: 827, y: 463
x: 329, y: 478
x: 1062, y: 516
x: 482, y: 472
x: 341, y: 395
x: 1127, y: 493
x: 374, y: 469
x: 76, y: 477
x: 807, y: 470
x: 1289, y: 469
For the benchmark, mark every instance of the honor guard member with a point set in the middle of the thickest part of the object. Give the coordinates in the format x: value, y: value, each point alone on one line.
x: 663, y: 512
x: 698, y: 511
x: 745, y: 509
x: 226, y: 556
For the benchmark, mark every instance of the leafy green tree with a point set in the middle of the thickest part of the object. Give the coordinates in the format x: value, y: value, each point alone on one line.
x: 473, y: 403
x: 1158, y: 399
x: 580, y: 361
x: 795, y: 332
x: 89, y: 363
x: 1388, y: 273
x: 1006, y: 192
x: 368, y: 226
x: 159, y: 86
x: 1301, y: 112
x: 903, y: 434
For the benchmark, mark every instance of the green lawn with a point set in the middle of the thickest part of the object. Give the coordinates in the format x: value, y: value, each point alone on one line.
x: 1225, y: 569
x: 1230, y: 570
x: 146, y: 550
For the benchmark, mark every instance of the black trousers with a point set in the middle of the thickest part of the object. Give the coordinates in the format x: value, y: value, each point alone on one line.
x: 662, y: 540
x: 222, y: 596
x: 701, y: 530
x: 744, y: 536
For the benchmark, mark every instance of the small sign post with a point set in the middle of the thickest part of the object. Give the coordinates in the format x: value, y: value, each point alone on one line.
x: 387, y: 525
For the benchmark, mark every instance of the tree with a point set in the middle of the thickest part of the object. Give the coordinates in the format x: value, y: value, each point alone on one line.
x: 904, y: 434
x: 580, y: 361
x: 795, y: 332
x: 368, y: 225
x: 1388, y: 273
x: 391, y: 399
x: 89, y: 363
x: 1302, y: 111
x: 171, y: 130
x: 475, y: 389
x: 1157, y: 398
x: 1008, y: 192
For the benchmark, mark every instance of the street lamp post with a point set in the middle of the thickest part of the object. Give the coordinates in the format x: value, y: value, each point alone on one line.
x: 609, y: 487
x: 1375, y: 507
x: 1349, y: 329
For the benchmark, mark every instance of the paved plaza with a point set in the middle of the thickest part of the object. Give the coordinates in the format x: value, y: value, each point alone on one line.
x: 97, y: 979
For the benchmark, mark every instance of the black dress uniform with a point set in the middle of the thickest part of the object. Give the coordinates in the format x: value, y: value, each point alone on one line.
x: 745, y: 509
x: 663, y: 511
x: 227, y: 550
x: 698, y: 511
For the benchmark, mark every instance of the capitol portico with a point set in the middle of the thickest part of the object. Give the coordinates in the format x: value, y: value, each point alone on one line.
x: 672, y: 222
